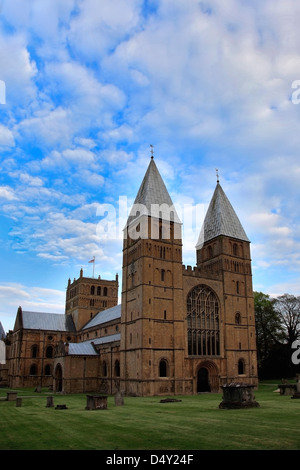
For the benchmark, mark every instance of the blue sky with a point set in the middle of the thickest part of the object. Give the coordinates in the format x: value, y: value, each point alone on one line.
x: 90, y: 84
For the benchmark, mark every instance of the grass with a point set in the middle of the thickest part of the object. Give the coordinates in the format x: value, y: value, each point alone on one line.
x: 195, y: 423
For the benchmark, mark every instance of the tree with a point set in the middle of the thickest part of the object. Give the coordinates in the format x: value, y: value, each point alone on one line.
x: 288, y: 308
x: 269, y: 333
x: 277, y: 327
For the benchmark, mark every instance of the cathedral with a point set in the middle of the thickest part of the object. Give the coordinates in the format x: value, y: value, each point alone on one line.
x: 178, y: 329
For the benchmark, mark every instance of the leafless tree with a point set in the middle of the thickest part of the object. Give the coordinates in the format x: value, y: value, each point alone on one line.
x: 288, y: 309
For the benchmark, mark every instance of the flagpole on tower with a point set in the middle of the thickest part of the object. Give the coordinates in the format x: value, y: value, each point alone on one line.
x: 93, y: 261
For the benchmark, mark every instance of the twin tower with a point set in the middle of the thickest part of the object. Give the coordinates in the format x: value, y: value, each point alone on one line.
x: 184, y: 330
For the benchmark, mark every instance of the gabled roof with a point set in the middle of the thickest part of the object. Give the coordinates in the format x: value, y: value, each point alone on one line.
x: 220, y: 219
x: 44, y: 321
x: 151, y: 194
x: 106, y: 315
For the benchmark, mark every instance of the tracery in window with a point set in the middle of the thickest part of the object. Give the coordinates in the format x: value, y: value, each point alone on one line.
x: 203, y: 323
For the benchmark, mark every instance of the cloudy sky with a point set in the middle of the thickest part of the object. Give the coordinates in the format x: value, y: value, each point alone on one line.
x: 88, y: 85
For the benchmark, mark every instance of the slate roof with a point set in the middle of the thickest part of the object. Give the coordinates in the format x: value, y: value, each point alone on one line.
x: 2, y: 332
x: 102, y: 317
x: 86, y: 348
x: 153, y: 192
x: 47, y: 321
x: 221, y: 219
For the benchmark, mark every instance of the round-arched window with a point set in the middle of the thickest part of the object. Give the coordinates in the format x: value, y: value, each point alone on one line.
x: 163, y: 368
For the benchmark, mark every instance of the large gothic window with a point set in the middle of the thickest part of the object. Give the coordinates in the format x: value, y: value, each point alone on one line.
x: 203, y: 324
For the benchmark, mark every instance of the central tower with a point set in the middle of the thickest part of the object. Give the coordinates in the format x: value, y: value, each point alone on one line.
x: 152, y: 320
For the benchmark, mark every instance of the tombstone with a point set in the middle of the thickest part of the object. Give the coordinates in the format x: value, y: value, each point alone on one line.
x: 119, y: 399
x: 61, y: 407
x: 297, y: 391
x: 38, y: 389
x: 287, y: 389
x: 96, y: 402
x: 50, y: 402
x: 238, y: 395
x: 11, y: 396
x: 170, y: 400
x: 18, y: 402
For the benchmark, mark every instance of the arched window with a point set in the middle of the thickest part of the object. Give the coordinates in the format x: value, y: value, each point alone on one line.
x: 203, y: 322
x: 238, y: 318
x: 105, y: 291
x: 241, y: 367
x: 49, y: 352
x: 47, y: 369
x: 34, y: 351
x: 33, y: 370
x: 104, y: 369
x: 117, y: 369
x: 98, y: 290
x: 92, y: 290
x: 163, y: 368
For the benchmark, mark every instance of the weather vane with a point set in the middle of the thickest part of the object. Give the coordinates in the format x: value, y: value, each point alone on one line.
x: 217, y: 172
x: 152, y: 151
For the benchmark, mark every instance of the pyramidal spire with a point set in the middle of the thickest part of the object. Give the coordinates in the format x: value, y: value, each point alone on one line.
x: 220, y: 219
x: 153, y: 198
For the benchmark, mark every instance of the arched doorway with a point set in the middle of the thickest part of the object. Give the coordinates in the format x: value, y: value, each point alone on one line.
x: 207, y: 377
x: 58, y: 378
x: 203, y: 380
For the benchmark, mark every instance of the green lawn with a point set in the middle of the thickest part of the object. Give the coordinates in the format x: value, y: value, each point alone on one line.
x: 195, y: 423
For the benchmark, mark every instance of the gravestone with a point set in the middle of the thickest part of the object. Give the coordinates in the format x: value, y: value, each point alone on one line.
x: 238, y: 395
x: 11, y: 396
x: 50, y: 402
x: 96, y: 402
x: 18, y: 402
x: 297, y: 391
x: 170, y: 400
x: 119, y: 399
x: 285, y: 388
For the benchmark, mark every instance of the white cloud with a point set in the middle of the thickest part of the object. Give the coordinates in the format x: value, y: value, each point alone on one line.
x: 50, y: 127
x: 91, y: 84
x: 34, y: 298
x: 6, y: 137
x: 7, y: 193
x: 98, y: 27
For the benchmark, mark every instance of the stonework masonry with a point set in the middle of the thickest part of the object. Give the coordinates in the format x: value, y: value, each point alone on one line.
x: 178, y: 330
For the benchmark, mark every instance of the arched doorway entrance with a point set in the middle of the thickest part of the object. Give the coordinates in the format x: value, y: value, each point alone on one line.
x: 203, y: 380
x: 58, y: 378
x: 207, y: 377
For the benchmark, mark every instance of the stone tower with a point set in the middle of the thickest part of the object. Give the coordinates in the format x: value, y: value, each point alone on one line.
x: 86, y: 296
x: 152, y: 320
x: 223, y: 252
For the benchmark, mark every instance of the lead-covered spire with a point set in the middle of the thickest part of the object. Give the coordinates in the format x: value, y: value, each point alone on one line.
x: 220, y: 219
x: 153, y: 198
